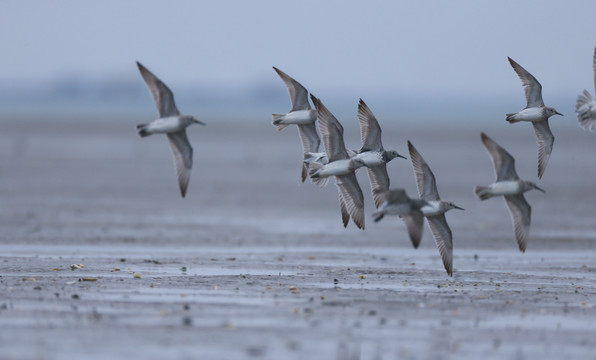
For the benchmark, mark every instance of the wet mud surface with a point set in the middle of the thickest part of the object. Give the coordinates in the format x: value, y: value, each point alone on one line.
x: 100, y: 258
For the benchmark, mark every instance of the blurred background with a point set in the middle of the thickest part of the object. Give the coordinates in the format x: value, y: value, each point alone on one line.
x: 411, y: 61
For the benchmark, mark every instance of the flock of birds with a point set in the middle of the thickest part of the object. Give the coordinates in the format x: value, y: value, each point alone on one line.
x: 342, y: 163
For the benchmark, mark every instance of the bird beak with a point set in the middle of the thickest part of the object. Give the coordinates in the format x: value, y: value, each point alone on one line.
x: 558, y: 113
x: 537, y: 188
x: 458, y: 208
x: 401, y: 156
x: 199, y: 122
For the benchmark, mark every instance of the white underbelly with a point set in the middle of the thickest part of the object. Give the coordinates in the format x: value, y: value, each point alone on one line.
x: 300, y: 117
x: 505, y: 188
x: 335, y: 168
x: 432, y: 209
x: 164, y: 125
x: 530, y: 114
x: 370, y: 158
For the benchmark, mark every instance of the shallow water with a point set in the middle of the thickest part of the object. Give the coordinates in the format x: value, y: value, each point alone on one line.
x: 254, y: 264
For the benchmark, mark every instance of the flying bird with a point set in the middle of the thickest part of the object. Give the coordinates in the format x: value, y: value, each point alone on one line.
x: 537, y: 113
x: 585, y: 106
x: 397, y: 202
x: 301, y: 115
x: 340, y: 165
x: 171, y: 123
x: 511, y: 187
x: 372, y: 152
x: 436, y: 208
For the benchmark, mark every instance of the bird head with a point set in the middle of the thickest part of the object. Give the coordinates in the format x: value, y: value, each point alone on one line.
x: 528, y: 185
x: 391, y: 154
x: 550, y: 111
x: 450, y: 205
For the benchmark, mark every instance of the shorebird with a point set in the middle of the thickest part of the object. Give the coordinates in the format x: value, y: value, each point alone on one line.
x: 511, y: 187
x: 372, y: 152
x: 301, y: 115
x: 536, y: 113
x: 171, y: 123
x: 396, y: 202
x: 340, y: 165
x: 436, y: 208
x: 585, y: 106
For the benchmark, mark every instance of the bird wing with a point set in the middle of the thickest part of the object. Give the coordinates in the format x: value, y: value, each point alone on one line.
x: 352, y: 196
x: 594, y: 67
x: 310, y: 138
x: 310, y: 144
x: 521, y: 213
x: 332, y: 132
x: 298, y: 94
x: 379, y: 182
x: 532, y: 86
x: 413, y: 222
x: 370, y: 131
x: 162, y: 95
x: 425, y: 179
x: 396, y: 196
x: 443, y: 238
x: 182, y: 158
x: 545, y: 143
x: 503, y: 161
x: 345, y: 215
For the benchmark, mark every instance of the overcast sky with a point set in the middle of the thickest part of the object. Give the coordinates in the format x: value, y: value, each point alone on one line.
x: 360, y: 48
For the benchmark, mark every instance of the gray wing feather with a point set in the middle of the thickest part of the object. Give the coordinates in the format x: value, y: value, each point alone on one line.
x: 443, y: 238
x: 532, y: 86
x: 163, y: 96
x: 310, y: 143
x: 345, y: 215
x: 396, y: 196
x: 370, y: 131
x: 332, y: 132
x: 379, y: 182
x: 425, y: 179
x: 310, y: 137
x: 413, y: 222
x: 521, y: 213
x: 182, y: 158
x: 352, y: 197
x: 594, y: 68
x: 545, y: 142
x: 298, y: 94
x: 503, y: 161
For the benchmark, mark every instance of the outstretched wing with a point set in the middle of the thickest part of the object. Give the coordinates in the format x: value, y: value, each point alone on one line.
x: 532, y: 86
x: 182, y: 158
x: 298, y: 94
x: 162, y: 95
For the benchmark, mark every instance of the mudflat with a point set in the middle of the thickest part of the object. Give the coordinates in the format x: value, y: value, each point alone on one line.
x: 101, y: 258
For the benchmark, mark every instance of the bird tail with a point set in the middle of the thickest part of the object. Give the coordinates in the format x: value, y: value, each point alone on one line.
x: 309, y: 157
x: 510, y: 118
x: 378, y: 215
x: 142, y: 130
x: 304, y: 170
x: 313, y: 169
x: 482, y: 192
x: 583, y: 111
x: 277, y: 119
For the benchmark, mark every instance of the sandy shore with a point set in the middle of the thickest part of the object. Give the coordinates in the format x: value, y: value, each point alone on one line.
x: 253, y: 264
